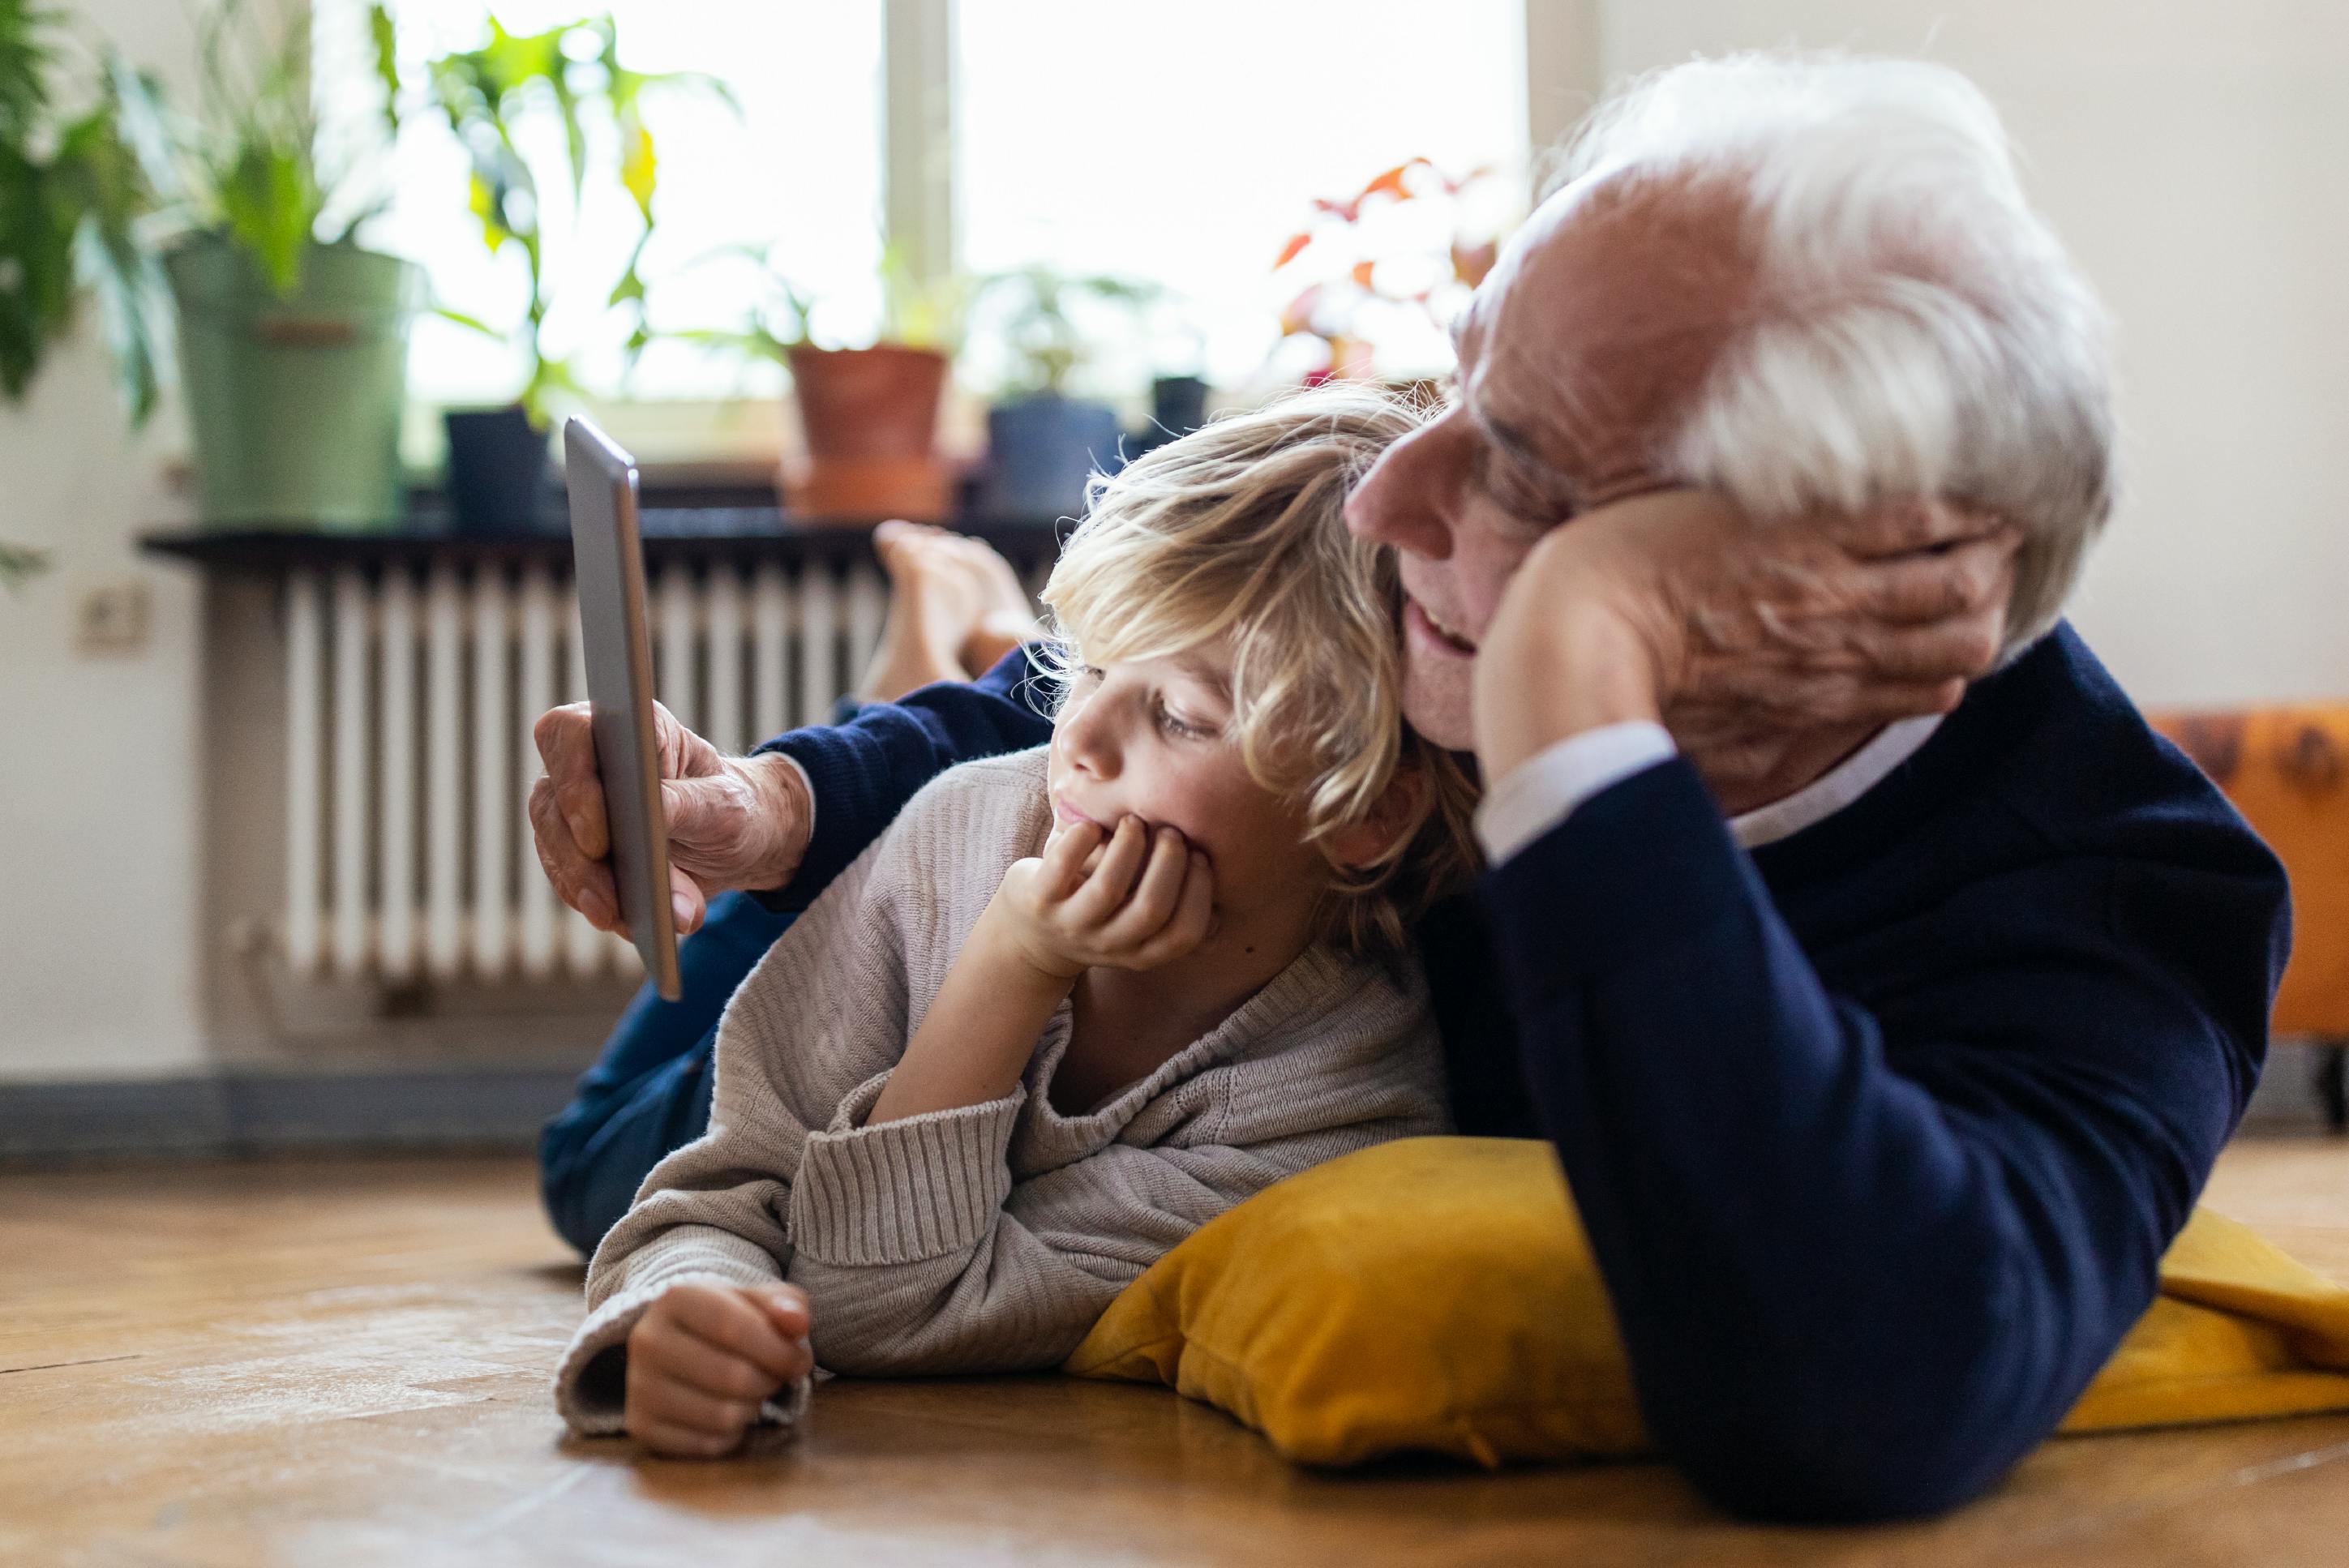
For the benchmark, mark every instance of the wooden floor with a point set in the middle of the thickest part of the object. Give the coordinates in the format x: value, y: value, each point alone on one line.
x: 346, y: 1364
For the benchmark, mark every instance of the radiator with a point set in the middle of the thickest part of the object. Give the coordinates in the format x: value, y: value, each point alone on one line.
x: 410, y: 694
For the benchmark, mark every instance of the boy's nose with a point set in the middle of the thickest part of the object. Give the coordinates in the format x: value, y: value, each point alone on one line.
x: 1091, y: 740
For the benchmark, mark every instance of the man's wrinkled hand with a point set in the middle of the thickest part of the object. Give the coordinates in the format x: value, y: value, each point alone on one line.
x: 1738, y: 635
x: 733, y: 821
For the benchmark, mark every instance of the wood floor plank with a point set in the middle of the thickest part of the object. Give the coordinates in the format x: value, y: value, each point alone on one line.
x: 346, y: 1363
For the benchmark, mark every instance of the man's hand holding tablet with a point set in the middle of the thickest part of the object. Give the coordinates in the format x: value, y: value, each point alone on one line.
x: 634, y: 805
x: 733, y: 821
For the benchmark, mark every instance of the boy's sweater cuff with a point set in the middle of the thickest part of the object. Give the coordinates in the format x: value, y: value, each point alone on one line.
x: 590, y: 1386
x: 904, y: 1191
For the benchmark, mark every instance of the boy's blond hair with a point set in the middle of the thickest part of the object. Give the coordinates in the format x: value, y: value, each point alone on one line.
x: 1235, y: 534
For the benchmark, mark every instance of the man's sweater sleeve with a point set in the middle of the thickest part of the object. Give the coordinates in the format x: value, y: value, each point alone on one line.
x: 1865, y: 1260
x: 863, y: 772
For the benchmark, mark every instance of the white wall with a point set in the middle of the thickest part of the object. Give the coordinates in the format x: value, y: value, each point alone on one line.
x: 97, y: 776
x: 2196, y: 159
x: 98, y: 780
x: 2196, y: 156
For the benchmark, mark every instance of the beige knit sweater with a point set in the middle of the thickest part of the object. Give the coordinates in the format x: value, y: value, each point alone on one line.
x: 991, y: 1237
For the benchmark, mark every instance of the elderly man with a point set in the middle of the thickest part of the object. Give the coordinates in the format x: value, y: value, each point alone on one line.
x: 1887, y: 1022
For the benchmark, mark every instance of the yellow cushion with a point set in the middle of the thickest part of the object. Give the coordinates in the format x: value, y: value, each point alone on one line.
x: 1437, y: 1294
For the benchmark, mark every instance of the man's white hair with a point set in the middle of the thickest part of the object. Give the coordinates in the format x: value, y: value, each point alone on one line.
x: 1920, y: 331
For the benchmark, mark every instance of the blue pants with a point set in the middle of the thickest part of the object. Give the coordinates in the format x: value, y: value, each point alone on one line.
x: 648, y: 1093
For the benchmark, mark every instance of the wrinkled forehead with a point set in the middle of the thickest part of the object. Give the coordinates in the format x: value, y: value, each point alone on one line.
x: 1644, y: 252
x: 1626, y: 281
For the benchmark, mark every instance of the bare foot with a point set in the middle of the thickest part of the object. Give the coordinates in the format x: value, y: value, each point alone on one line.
x: 1009, y: 619
x: 955, y: 607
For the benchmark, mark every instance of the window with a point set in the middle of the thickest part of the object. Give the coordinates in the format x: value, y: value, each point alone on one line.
x: 1182, y: 145
x: 800, y: 168
x: 1178, y: 147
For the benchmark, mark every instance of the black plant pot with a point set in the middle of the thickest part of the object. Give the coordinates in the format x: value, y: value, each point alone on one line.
x: 1040, y: 452
x: 1178, y: 405
x: 497, y: 471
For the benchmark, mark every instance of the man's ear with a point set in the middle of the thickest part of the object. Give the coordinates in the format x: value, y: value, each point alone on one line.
x: 1398, y: 809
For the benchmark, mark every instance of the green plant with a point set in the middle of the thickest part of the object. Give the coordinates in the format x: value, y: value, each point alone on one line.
x: 88, y: 201
x: 254, y: 146
x: 921, y: 312
x: 18, y: 562
x: 573, y: 72
x: 914, y: 313
x: 1043, y: 340
x: 775, y: 324
x: 73, y: 194
x: 250, y: 166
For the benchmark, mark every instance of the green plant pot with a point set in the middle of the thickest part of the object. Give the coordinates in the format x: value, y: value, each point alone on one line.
x: 294, y: 403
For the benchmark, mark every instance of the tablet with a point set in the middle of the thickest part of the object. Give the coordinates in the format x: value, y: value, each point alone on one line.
x: 607, y: 560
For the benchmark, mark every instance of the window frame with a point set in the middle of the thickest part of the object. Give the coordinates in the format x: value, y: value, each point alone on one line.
x: 1563, y: 49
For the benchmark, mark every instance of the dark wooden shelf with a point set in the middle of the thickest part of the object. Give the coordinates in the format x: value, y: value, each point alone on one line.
x: 725, y: 534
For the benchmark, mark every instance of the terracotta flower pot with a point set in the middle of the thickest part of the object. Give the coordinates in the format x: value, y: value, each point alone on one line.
x: 871, y: 417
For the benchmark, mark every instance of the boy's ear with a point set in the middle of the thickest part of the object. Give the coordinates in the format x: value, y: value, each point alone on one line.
x: 1394, y: 813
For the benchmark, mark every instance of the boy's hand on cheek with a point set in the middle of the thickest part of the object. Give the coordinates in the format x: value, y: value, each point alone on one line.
x: 1133, y: 899
x: 703, y: 1358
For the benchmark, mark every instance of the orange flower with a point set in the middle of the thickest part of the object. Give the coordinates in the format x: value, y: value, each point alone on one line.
x: 1470, y: 262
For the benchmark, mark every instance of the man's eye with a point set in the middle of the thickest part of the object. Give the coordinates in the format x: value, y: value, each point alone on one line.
x: 1516, y: 494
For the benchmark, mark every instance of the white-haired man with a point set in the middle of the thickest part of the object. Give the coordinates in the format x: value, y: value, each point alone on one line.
x: 1886, y: 1020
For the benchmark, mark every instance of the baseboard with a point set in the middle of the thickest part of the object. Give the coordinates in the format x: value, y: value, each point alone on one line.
x: 2288, y: 1099
x: 211, y: 1116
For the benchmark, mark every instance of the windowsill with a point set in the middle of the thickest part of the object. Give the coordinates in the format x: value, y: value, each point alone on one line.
x: 698, y: 536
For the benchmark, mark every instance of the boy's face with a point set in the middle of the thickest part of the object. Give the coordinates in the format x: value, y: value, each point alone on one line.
x: 1153, y: 738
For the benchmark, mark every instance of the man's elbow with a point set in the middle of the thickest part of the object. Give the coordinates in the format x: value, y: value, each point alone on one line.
x: 1836, y: 1441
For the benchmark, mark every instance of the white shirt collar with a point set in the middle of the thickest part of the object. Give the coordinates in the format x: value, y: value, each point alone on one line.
x: 1841, y: 785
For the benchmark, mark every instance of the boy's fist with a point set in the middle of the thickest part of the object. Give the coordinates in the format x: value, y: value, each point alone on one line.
x: 704, y: 1357
x: 1133, y: 899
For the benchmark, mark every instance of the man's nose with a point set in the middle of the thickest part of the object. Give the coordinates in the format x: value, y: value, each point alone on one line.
x: 1402, y: 502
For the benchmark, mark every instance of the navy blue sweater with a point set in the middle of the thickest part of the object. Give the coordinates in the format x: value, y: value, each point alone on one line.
x: 1879, y: 1132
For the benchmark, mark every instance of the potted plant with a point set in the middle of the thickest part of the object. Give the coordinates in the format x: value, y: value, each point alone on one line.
x: 292, y: 337
x: 1178, y: 405
x: 72, y: 195
x: 17, y: 562
x: 498, y: 456
x: 1358, y: 260
x: 868, y: 416
x: 1043, y: 444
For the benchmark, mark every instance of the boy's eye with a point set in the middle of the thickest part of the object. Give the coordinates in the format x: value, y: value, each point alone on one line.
x: 1175, y: 724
